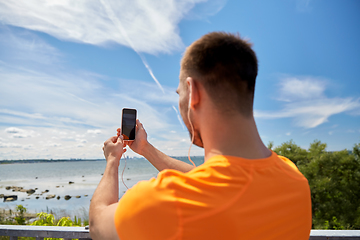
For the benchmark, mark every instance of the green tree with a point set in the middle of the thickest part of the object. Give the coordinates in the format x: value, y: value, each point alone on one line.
x: 334, y: 179
x: 270, y: 145
x: 334, y: 182
x: 293, y: 152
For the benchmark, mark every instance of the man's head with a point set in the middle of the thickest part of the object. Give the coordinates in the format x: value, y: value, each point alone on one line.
x: 226, y: 67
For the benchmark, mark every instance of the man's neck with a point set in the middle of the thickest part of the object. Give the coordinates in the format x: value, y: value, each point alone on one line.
x: 233, y: 136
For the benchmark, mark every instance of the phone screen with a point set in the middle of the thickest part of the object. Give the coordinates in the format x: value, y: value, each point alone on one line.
x: 128, y: 124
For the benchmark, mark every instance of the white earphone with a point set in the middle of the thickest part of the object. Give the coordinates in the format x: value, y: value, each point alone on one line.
x: 189, y: 96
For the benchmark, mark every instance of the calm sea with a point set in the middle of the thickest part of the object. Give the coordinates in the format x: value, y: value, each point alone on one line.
x: 52, y: 178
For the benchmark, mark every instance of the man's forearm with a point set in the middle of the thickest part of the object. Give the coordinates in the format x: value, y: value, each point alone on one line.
x: 162, y: 161
x: 107, y: 191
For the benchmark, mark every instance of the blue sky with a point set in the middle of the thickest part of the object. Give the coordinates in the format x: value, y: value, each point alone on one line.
x: 67, y: 68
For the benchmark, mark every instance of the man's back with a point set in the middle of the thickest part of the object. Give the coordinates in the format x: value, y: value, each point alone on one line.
x: 225, y: 198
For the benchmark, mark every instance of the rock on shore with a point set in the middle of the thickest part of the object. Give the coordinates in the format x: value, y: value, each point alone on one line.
x: 32, y: 191
x: 50, y: 196
x: 20, y: 189
x: 10, y: 198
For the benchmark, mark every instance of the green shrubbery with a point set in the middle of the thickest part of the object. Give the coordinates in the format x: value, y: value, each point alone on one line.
x: 43, y: 219
x: 334, y: 179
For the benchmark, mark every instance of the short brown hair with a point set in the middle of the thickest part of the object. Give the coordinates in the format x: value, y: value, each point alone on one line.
x: 227, y: 67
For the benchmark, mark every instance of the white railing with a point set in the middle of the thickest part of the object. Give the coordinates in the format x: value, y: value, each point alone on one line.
x: 335, y: 234
x: 67, y: 233
x: 41, y: 232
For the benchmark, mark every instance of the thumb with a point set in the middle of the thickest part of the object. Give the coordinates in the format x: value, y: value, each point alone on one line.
x: 120, y: 139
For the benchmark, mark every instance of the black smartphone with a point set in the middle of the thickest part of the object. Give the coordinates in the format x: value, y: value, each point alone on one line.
x: 128, y: 124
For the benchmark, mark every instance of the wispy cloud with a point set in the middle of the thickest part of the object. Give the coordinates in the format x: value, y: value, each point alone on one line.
x: 20, y: 133
x: 205, y: 9
x: 90, y: 21
x: 71, y: 115
x: 23, y: 46
x: 67, y: 112
x: 301, y: 88
x: 306, y: 102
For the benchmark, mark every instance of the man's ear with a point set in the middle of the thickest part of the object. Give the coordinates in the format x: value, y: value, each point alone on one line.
x: 194, y: 94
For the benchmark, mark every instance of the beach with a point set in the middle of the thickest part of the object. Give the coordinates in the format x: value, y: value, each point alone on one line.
x: 52, y: 183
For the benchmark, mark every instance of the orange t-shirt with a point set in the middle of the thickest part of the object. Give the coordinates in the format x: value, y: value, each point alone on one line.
x: 224, y: 198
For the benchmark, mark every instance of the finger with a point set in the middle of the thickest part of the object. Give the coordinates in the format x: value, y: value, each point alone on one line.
x: 107, y: 141
x: 120, y: 139
x: 138, y: 125
x: 114, y: 139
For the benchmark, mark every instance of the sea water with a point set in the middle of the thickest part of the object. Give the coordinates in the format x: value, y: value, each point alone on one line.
x: 77, y: 179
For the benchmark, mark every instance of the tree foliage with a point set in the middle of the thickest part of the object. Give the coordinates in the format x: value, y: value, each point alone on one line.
x: 334, y: 179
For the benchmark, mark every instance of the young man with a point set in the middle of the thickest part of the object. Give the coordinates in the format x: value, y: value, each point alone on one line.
x: 242, y: 191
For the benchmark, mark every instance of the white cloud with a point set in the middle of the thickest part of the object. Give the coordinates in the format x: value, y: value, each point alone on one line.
x: 94, y: 131
x: 13, y: 130
x: 307, y: 104
x: 25, y: 46
x: 28, y: 147
x: 125, y: 22
x: 52, y: 144
x: 20, y: 133
x: 81, y: 140
x: 297, y: 88
x: 9, y: 145
x: 204, y: 9
x: 70, y: 113
x: 62, y: 107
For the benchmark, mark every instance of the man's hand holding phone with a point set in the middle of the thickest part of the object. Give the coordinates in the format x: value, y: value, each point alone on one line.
x: 140, y: 142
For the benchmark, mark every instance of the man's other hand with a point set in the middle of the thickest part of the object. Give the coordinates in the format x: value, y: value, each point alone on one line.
x: 114, y: 148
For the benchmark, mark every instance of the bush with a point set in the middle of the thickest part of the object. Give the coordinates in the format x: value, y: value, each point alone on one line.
x: 334, y: 179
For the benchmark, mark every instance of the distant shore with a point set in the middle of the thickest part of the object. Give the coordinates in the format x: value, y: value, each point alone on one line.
x: 46, y: 160
x: 182, y: 158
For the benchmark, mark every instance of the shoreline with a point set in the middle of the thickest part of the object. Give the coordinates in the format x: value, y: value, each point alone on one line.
x: 8, y: 213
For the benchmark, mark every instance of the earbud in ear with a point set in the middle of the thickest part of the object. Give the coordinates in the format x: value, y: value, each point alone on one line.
x: 189, y: 94
x: 189, y: 100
